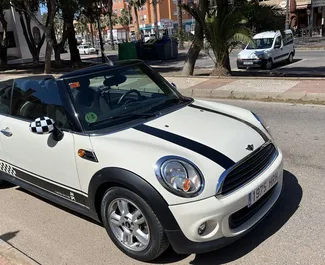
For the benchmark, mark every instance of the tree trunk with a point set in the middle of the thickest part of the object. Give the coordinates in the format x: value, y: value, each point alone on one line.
x: 137, y: 32
x: 180, y: 24
x: 222, y: 66
x: 48, y: 55
x: 155, y: 18
x: 92, y: 34
x: 3, y: 44
x: 111, y: 30
x: 197, y: 44
x: 73, y: 45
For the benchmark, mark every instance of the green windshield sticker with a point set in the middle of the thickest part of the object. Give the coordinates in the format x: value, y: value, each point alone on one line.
x: 91, y: 117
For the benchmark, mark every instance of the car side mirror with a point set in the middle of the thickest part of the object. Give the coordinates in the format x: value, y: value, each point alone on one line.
x: 278, y: 46
x: 46, y: 125
x: 243, y: 46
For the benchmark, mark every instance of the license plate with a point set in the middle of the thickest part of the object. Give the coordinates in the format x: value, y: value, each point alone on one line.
x: 258, y: 193
x: 248, y: 63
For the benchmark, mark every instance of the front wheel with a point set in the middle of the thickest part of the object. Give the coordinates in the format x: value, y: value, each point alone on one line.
x: 290, y: 59
x: 132, y: 225
x: 268, y: 65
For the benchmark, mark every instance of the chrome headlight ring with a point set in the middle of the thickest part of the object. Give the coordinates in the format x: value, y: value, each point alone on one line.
x: 179, y: 176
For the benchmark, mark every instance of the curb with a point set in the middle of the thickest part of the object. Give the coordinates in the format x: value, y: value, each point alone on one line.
x: 316, y: 98
x: 9, y: 255
x: 245, y: 77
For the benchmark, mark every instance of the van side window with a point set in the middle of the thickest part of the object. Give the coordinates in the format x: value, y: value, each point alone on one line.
x: 5, y: 95
x: 278, y: 41
x: 288, y: 39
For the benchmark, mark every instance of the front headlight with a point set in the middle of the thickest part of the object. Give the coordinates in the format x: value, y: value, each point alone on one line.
x: 179, y: 176
x: 263, y: 123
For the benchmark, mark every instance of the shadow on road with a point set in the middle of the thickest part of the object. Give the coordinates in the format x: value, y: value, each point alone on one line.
x: 286, y: 206
x: 10, y: 235
x: 60, y: 207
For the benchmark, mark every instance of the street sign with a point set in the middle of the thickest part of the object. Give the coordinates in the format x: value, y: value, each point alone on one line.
x: 318, y: 3
x: 167, y: 23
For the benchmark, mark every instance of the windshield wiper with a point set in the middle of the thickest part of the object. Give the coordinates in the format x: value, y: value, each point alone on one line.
x: 134, y: 115
x: 125, y: 116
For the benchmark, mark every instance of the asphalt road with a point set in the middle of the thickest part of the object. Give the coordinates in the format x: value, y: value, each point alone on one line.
x: 292, y: 234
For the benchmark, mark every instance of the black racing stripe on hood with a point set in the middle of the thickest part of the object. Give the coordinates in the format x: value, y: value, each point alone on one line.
x: 194, y: 146
x: 258, y: 130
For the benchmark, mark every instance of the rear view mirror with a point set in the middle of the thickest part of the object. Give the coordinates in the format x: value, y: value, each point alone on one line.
x: 46, y: 125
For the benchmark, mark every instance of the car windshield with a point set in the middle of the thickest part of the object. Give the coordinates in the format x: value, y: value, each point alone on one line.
x: 121, y: 94
x: 264, y: 43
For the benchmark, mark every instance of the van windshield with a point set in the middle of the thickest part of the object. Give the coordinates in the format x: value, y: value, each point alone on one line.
x: 264, y: 43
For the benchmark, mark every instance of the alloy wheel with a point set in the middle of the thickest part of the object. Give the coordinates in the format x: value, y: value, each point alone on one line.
x: 128, y: 224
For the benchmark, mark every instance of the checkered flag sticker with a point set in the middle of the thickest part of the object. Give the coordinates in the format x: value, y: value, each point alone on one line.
x: 42, y: 125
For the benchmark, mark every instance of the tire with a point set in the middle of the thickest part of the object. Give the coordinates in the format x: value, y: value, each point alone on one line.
x: 290, y: 59
x: 268, y: 65
x: 1, y: 181
x: 120, y: 198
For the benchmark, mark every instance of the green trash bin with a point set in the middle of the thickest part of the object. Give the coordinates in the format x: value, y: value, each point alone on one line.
x: 127, y: 51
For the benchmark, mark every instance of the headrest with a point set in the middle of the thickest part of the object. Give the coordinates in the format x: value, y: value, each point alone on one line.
x: 114, y: 80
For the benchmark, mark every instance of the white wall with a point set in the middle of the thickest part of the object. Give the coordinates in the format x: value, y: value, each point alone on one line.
x: 21, y: 51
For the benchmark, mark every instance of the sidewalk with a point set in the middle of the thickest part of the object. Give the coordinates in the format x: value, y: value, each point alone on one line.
x: 259, y: 88
x: 9, y: 255
x: 308, y: 90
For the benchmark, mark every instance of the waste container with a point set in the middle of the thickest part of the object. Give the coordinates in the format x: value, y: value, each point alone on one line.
x: 149, y: 51
x: 167, y: 49
x: 127, y: 51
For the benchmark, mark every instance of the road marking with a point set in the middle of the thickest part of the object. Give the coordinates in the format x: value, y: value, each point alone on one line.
x: 289, y: 65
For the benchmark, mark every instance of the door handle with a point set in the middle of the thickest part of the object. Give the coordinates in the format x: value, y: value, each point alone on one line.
x: 6, y: 132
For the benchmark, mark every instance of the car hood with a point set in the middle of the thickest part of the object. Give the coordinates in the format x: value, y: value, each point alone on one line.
x: 251, y: 54
x: 213, y: 136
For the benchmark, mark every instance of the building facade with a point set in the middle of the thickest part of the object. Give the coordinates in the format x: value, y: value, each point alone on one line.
x: 166, y: 16
x: 17, y: 46
x: 307, y: 16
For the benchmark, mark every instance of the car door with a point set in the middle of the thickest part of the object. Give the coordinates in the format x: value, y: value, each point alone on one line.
x: 38, y: 158
x: 278, y: 49
x: 5, y: 92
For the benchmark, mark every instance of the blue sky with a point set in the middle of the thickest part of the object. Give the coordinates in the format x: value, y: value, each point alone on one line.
x: 43, y: 9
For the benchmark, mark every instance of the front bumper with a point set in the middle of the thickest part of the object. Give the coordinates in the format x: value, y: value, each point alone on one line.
x: 216, y: 213
x: 249, y: 63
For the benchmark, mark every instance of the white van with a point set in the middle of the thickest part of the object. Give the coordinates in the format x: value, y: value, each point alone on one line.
x: 267, y: 48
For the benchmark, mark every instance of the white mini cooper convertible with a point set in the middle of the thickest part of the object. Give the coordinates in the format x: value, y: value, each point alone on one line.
x: 120, y: 144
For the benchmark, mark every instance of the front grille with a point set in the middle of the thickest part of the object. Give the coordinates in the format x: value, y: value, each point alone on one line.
x: 249, y: 168
x: 241, y: 216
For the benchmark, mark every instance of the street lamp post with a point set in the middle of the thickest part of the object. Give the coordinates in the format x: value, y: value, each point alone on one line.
x: 287, y: 15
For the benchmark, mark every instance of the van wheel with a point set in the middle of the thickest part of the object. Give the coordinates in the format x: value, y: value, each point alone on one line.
x: 132, y: 225
x: 268, y: 64
x: 290, y: 59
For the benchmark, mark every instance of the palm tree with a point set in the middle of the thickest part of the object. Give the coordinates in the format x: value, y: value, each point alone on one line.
x: 155, y: 18
x: 223, y: 30
x: 136, y: 5
x: 180, y: 23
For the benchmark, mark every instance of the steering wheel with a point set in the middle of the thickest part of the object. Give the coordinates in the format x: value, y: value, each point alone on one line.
x: 127, y: 93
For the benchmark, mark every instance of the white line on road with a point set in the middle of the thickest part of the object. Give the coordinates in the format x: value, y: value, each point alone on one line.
x: 289, y: 65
